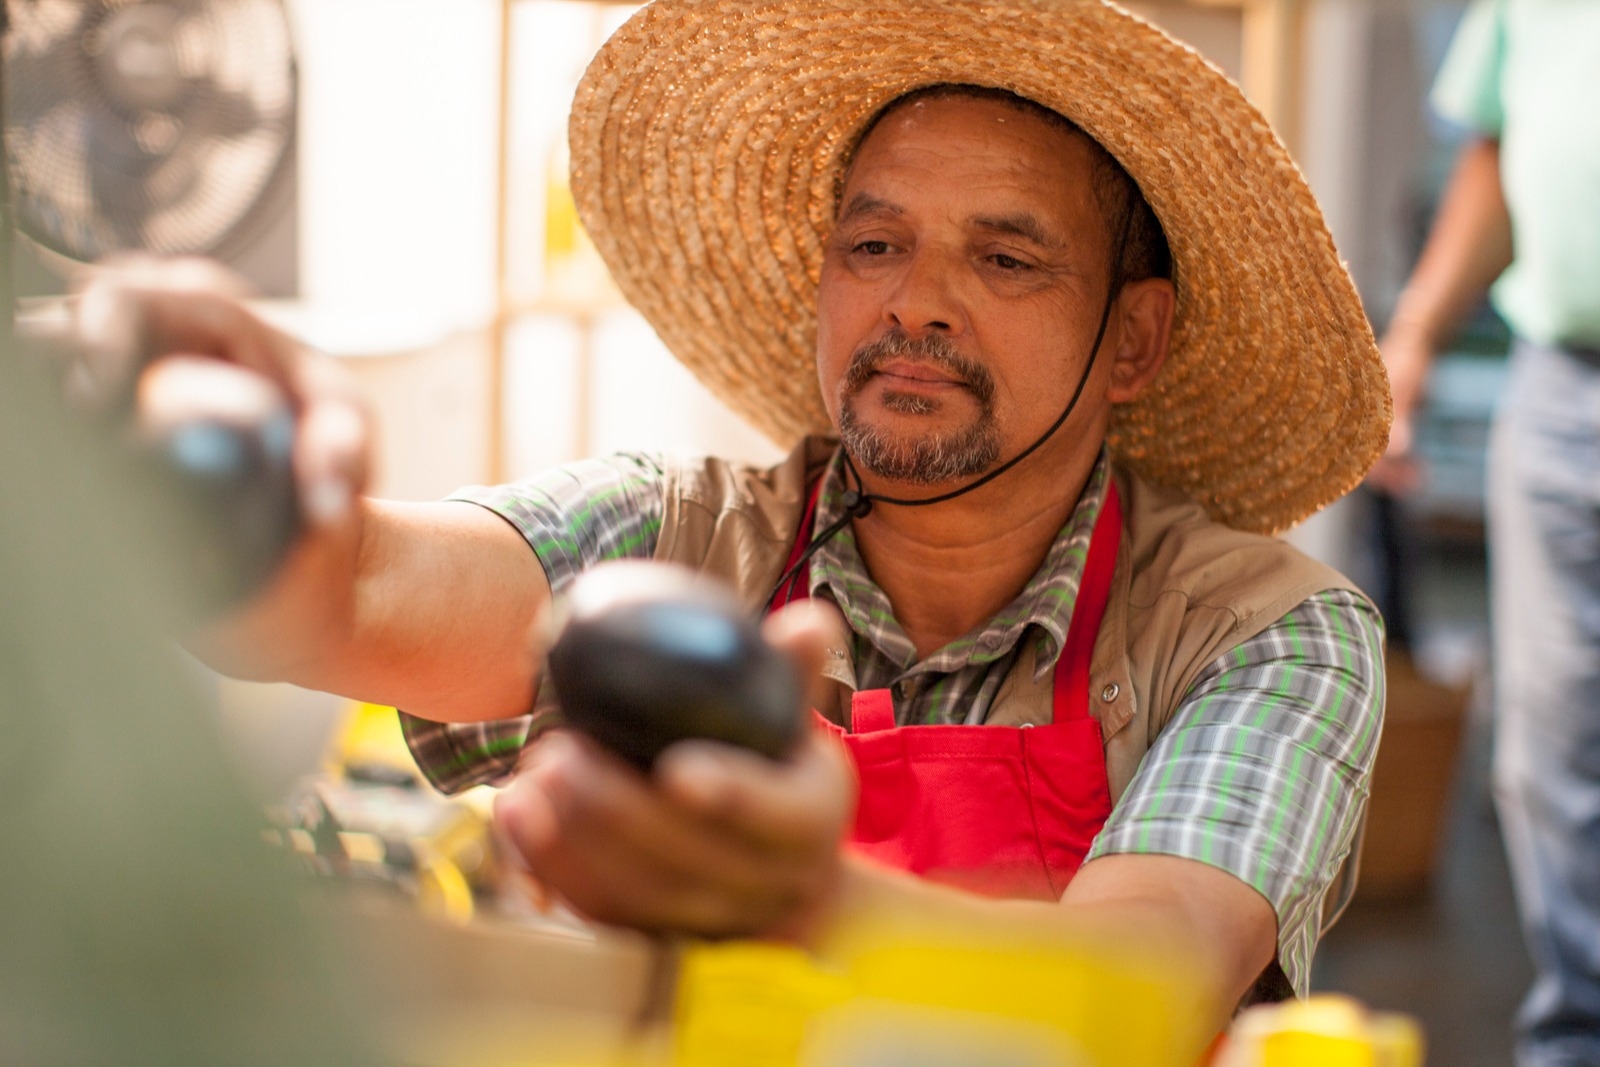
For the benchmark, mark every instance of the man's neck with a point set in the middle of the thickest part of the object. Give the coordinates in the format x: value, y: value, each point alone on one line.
x: 948, y: 568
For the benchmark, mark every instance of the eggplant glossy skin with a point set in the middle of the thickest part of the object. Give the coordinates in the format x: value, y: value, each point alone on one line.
x: 218, y: 444
x: 650, y: 654
x: 237, y: 511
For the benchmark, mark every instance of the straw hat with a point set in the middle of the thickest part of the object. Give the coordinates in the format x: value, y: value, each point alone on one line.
x: 708, y: 135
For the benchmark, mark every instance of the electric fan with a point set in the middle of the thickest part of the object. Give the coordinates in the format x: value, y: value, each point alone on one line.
x: 146, y: 125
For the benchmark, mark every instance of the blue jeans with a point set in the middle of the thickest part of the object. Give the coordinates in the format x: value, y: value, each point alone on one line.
x: 1544, y: 542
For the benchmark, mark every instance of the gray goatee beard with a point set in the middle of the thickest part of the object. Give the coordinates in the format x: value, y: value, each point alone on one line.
x: 928, y: 458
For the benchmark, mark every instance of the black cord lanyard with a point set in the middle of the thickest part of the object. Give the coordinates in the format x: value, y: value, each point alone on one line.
x: 857, y: 503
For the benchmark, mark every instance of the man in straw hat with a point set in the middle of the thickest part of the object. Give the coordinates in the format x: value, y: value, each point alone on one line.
x: 1083, y: 335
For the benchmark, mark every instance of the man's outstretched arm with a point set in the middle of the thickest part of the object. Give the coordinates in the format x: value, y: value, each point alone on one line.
x: 427, y: 606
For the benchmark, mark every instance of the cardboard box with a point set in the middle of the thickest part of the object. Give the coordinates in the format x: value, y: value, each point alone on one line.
x: 1411, y: 784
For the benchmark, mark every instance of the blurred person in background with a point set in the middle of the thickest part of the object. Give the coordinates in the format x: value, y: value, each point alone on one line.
x: 1521, y: 213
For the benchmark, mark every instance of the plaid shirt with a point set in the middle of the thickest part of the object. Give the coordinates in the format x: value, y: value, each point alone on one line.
x: 957, y: 683
x: 1260, y: 772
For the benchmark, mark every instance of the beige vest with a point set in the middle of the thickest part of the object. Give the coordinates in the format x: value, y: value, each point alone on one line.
x: 1186, y: 589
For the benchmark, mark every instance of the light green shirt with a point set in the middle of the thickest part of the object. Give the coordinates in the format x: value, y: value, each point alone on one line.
x: 1528, y: 72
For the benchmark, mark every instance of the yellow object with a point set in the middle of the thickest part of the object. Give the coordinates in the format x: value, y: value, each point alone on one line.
x: 442, y: 890
x: 562, y: 231
x: 574, y: 273
x: 1324, y: 1031
x: 910, y: 996
x: 749, y: 1005
x: 370, y: 735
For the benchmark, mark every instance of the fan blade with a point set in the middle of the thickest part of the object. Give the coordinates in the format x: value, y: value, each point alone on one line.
x: 39, y: 79
x: 118, y: 172
x: 219, y: 113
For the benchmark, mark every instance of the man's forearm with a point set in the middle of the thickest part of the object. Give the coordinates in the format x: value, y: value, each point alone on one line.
x: 1468, y: 247
x: 424, y: 606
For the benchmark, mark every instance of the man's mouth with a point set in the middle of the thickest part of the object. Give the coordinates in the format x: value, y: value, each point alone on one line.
x: 915, y: 372
x: 923, y: 368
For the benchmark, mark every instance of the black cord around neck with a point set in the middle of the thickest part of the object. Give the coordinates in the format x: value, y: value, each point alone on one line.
x: 857, y: 503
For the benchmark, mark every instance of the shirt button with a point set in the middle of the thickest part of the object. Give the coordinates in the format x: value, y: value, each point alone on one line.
x: 1110, y: 692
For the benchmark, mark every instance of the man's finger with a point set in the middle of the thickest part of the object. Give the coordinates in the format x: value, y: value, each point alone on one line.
x: 331, y: 459
x: 153, y: 312
x: 596, y: 832
x: 598, y: 798
x: 801, y: 803
x: 812, y: 633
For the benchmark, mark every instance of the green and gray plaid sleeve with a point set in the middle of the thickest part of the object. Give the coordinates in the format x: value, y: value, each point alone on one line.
x: 572, y: 517
x: 1264, y: 768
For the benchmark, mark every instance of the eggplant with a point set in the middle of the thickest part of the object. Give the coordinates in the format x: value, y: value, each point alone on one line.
x: 217, y: 443
x: 648, y: 654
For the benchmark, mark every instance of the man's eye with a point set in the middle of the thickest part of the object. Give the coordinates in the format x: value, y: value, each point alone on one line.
x: 1005, y: 262
x: 873, y: 248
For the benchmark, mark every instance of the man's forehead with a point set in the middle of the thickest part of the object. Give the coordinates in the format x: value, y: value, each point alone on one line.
x: 968, y: 146
x: 965, y: 129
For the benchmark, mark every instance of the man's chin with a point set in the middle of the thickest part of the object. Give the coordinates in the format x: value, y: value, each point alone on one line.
x: 911, y: 416
x: 919, y: 450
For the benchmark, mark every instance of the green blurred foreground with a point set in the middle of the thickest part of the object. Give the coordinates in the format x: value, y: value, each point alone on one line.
x: 140, y: 920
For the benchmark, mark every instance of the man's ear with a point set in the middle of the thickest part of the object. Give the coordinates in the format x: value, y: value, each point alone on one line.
x: 1144, y: 332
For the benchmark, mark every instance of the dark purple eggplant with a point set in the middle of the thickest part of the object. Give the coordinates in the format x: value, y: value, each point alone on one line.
x: 647, y: 654
x: 217, y: 442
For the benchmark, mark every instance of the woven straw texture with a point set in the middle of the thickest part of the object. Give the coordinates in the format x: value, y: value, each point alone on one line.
x: 708, y: 135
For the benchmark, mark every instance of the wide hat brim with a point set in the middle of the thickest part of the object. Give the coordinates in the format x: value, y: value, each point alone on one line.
x: 708, y: 136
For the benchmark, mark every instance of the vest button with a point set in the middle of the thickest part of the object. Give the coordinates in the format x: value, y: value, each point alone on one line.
x: 1110, y: 692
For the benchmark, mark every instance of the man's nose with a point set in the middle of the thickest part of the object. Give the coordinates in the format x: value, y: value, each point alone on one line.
x: 923, y: 298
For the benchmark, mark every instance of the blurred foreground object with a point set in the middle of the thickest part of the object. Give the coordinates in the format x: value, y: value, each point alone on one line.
x: 221, y: 438
x: 210, y: 444
x: 892, y: 994
x: 1324, y: 1031
x: 143, y: 923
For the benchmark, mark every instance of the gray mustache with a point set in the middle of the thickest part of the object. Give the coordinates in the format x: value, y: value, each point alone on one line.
x: 933, y: 349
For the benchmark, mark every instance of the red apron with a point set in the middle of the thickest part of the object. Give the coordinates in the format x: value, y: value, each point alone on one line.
x: 1005, y: 811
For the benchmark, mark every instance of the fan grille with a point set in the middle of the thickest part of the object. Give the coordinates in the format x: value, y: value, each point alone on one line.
x: 145, y: 125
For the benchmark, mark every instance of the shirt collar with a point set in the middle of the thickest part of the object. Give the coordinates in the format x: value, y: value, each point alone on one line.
x: 1046, y: 602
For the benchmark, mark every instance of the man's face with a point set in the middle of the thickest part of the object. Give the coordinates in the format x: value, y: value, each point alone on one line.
x: 961, y: 289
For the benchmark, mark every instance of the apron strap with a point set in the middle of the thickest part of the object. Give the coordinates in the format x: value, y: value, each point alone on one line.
x: 1071, y: 697
x: 871, y: 710
x: 798, y: 587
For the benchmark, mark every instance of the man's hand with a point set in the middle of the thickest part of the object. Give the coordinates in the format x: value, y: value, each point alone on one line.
x: 129, y: 318
x: 1407, y: 355
x: 132, y: 312
x: 1468, y: 247
x: 716, y: 841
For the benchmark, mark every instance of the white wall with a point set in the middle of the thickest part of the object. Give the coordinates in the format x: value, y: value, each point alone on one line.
x: 399, y: 110
x: 397, y: 166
